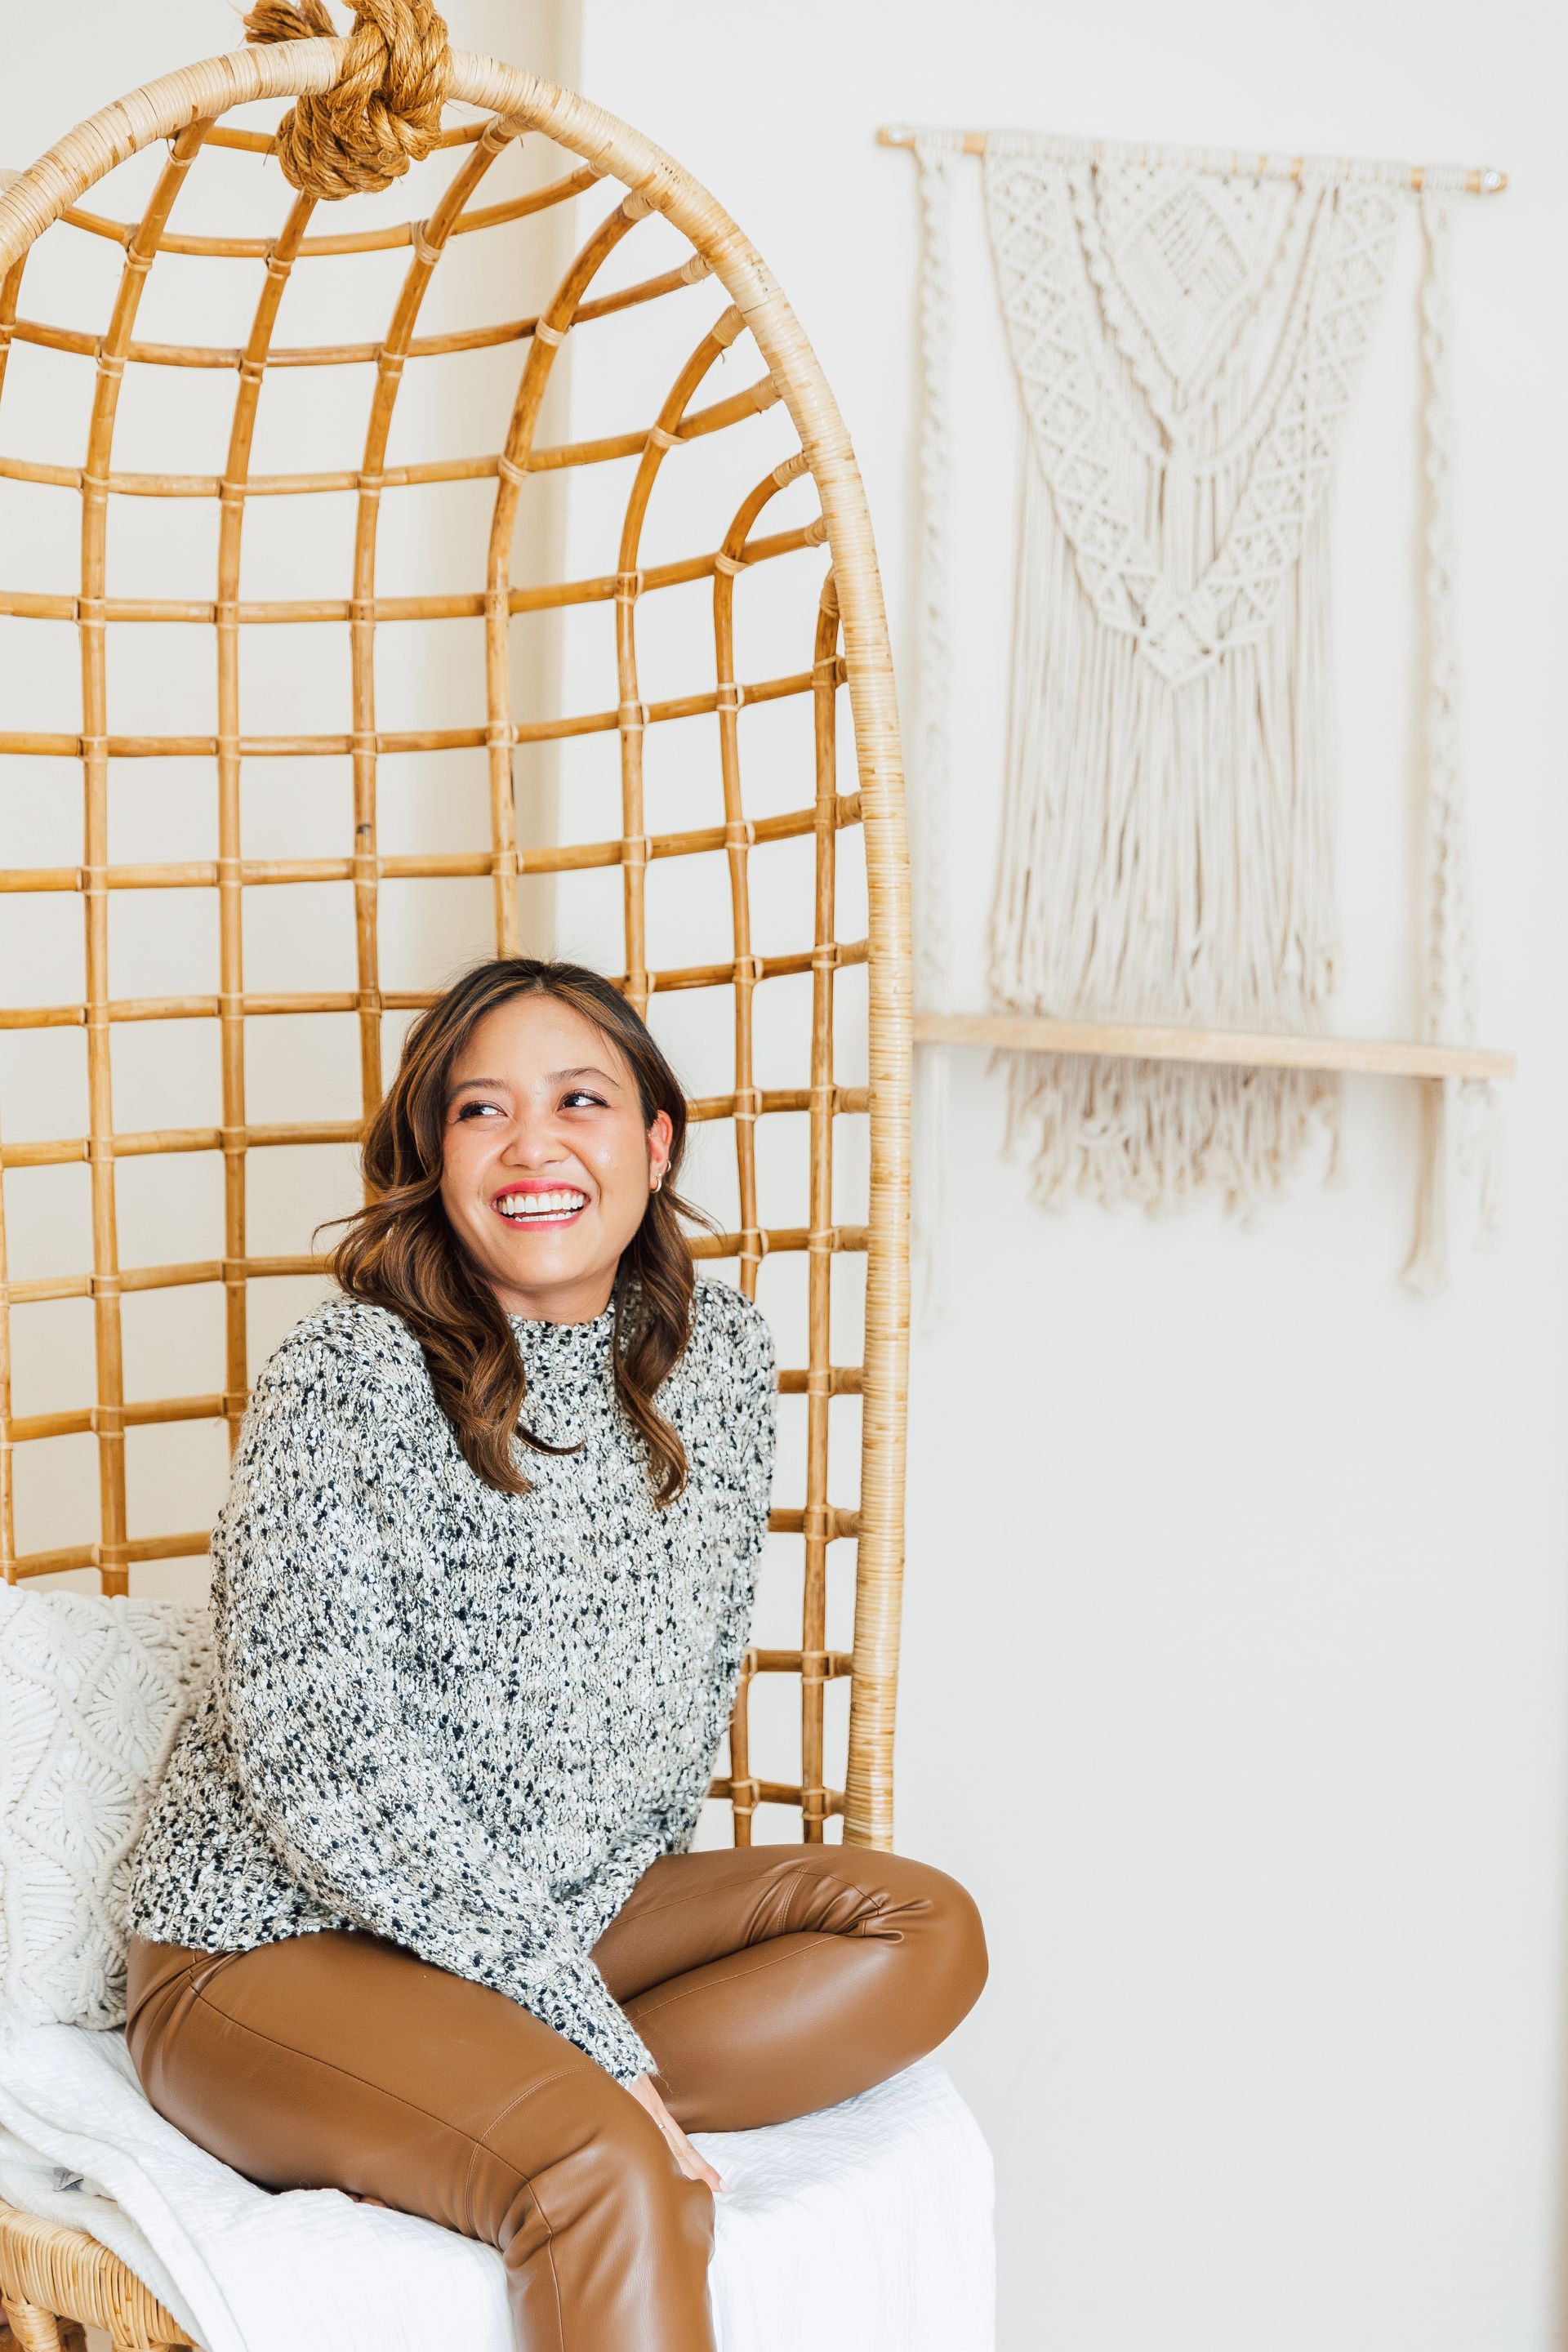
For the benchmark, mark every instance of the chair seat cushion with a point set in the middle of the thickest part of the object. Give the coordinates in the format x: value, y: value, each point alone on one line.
x: 92, y: 1695
x: 865, y: 2227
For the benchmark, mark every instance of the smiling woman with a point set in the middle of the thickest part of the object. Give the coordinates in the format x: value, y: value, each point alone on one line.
x: 518, y: 1167
x: 415, y: 1914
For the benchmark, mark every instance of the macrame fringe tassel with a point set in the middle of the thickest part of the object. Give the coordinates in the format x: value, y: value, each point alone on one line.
x: 1159, y: 1133
x: 1427, y: 1268
x: 1476, y: 1156
x: 1167, y: 857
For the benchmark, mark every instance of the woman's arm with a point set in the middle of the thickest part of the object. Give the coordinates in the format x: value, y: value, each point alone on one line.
x: 744, y: 1466
x: 747, y: 1471
x: 363, y: 1815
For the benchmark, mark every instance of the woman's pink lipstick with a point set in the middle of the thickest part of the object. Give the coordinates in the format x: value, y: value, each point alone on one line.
x: 570, y: 1199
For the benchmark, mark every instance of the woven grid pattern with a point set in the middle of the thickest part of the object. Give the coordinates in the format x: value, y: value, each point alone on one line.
x: 843, y: 1331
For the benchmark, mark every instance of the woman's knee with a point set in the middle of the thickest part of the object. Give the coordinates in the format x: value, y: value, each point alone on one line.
x: 943, y: 1921
x: 923, y: 1924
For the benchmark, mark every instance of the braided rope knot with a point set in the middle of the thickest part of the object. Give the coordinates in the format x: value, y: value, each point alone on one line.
x: 383, y: 113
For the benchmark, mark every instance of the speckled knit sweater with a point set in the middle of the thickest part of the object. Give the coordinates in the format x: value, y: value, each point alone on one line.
x: 465, y: 1720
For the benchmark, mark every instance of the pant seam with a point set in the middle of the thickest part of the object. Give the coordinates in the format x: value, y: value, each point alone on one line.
x: 310, y: 2058
x: 555, y: 2277
x: 645, y: 2005
x: 480, y: 2144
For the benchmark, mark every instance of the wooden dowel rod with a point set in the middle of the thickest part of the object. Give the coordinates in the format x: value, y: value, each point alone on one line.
x: 18, y: 605
x: 834, y: 1526
x: 370, y: 240
x: 723, y: 975
x: 782, y: 1240
x: 111, y: 1556
x: 28, y: 1429
x: 778, y: 1239
x: 825, y: 1663
x: 839, y: 1102
x: 33, y: 1428
x: 843, y: 1380
x: 549, y: 458
x: 566, y: 857
x: 155, y: 1141
x: 431, y: 739
x: 848, y: 953
x: 693, y: 426
x: 69, y: 1151
x: 1250, y: 1049
x: 1480, y: 180
x: 50, y: 337
x: 776, y: 1793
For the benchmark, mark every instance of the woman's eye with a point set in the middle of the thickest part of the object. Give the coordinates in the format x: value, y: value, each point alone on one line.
x: 581, y: 1095
x: 472, y: 1109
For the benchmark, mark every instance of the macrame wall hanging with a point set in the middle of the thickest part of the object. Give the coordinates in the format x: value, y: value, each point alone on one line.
x: 1186, y: 330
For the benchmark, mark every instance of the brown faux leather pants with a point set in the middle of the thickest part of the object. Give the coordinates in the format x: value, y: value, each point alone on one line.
x: 767, y: 1980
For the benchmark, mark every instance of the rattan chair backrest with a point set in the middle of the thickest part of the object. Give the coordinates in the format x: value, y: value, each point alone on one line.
x: 519, y: 756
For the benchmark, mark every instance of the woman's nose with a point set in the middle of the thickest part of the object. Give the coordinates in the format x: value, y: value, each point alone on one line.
x: 532, y: 1143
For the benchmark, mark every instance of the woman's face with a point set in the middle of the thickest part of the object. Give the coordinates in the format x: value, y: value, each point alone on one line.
x: 546, y: 1164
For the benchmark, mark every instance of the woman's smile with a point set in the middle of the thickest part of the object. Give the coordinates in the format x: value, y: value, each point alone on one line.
x: 536, y: 1204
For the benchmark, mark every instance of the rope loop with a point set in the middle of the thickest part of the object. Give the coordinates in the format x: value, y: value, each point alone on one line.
x: 381, y: 114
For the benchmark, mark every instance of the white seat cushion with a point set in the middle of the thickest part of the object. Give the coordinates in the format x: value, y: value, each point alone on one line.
x: 92, y: 1695
x: 865, y: 2227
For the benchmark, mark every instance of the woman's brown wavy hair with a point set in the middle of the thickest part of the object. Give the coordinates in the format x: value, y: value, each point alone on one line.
x: 400, y: 1250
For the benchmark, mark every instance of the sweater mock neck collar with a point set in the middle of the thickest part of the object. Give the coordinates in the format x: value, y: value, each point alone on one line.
x: 564, y: 1343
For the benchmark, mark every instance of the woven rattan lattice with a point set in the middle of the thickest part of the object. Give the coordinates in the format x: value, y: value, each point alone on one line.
x: 589, y: 789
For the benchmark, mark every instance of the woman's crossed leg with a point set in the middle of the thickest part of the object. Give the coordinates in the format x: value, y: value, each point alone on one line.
x: 768, y: 1982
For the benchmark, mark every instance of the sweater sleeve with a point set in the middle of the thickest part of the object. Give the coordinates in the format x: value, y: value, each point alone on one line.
x: 360, y: 1811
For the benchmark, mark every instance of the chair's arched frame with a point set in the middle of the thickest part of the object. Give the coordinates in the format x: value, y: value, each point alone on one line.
x: 44, y: 2272
x: 183, y: 109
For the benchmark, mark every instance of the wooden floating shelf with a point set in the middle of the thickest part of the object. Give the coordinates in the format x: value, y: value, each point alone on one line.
x: 1258, y: 1049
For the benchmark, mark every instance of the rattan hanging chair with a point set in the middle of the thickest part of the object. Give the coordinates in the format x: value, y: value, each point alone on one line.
x: 520, y: 755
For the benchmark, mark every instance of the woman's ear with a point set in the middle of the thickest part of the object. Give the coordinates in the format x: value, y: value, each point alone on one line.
x: 659, y: 1137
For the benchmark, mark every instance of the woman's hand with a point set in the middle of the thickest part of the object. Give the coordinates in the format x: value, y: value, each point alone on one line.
x: 695, y: 2166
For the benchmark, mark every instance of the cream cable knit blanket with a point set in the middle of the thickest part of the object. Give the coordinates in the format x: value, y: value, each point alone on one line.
x: 461, y: 1719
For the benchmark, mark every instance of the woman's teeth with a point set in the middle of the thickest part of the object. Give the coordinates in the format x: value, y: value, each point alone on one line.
x: 541, y: 1205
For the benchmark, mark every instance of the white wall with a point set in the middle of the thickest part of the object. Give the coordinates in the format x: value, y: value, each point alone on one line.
x: 1235, y: 1668
x: 1235, y: 1646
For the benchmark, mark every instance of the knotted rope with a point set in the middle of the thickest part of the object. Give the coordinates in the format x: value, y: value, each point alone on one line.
x: 381, y: 114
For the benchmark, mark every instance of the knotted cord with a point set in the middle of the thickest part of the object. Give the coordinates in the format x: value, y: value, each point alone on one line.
x: 383, y: 113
